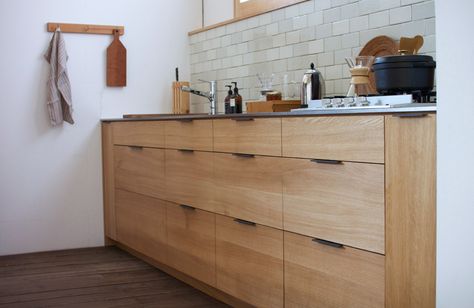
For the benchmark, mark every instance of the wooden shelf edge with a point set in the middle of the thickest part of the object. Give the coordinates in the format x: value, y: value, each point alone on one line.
x: 236, y: 19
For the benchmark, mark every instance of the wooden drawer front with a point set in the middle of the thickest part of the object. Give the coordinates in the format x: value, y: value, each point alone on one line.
x: 193, y: 135
x: 254, y: 136
x: 249, y: 262
x: 349, y: 138
x: 342, y: 203
x: 142, y: 133
x: 249, y: 188
x: 141, y: 170
x: 317, y: 275
x: 141, y: 223
x: 189, y: 178
x: 192, y: 242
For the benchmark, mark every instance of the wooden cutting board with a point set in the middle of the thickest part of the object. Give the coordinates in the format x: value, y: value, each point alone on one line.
x: 379, y: 46
x: 116, y: 63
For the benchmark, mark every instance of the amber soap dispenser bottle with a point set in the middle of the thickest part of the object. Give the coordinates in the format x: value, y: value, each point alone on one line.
x: 238, y: 99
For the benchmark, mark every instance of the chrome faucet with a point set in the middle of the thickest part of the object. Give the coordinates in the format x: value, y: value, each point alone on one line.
x: 211, y: 95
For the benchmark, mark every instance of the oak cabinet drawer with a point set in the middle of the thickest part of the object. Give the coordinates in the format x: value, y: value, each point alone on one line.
x: 141, y: 223
x: 249, y: 187
x: 249, y: 261
x: 248, y: 135
x: 193, y: 135
x: 140, y: 170
x: 318, y: 275
x: 348, y: 138
x: 192, y: 242
x: 141, y: 133
x: 189, y: 178
x: 341, y: 202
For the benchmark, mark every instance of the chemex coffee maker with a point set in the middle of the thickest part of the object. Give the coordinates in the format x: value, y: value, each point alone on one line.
x: 313, y: 86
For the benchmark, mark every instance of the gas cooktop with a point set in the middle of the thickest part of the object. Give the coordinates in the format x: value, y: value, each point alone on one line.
x: 361, y: 102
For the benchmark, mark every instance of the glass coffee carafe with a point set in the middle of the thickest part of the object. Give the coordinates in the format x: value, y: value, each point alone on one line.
x: 359, y: 75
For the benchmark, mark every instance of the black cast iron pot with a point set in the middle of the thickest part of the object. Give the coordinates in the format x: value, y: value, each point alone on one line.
x: 404, y: 74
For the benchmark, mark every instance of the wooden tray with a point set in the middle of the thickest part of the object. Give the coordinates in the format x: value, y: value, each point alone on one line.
x: 272, y: 106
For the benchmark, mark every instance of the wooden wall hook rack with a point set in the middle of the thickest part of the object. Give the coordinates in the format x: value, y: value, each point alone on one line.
x: 84, y: 28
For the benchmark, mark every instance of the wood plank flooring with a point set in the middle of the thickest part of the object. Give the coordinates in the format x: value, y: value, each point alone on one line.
x: 92, y: 277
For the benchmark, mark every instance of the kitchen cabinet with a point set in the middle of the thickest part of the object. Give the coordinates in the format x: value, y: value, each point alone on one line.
x: 341, y: 202
x: 248, y: 136
x: 141, y: 223
x: 191, y: 135
x: 346, y: 138
x: 320, y: 275
x: 139, y: 133
x: 192, y: 242
x: 140, y: 170
x: 344, y: 205
x: 249, y: 259
x: 249, y: 187
x: 189, y: 178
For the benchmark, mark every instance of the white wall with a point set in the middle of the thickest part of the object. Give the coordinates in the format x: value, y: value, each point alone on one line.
x: 216, y: 11
x: 455, y: 53
x: 50, y: 178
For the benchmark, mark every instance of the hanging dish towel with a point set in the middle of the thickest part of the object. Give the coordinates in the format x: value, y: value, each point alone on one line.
x: 59, y: 97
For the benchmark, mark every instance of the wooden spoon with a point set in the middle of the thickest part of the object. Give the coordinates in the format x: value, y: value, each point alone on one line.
x: 418, y: 43
x: 411, y: 45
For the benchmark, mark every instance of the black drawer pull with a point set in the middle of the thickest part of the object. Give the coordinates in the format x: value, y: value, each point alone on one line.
x: 186, y: 150
x: 410, y: 115
x: 328, y: 243
x: 135, y: 147
x: 243, y: 155
x: 327, y: 161
x: 243, y: 119
x: 244, y: 222
x: 185, y: 120
x: 187, y: 207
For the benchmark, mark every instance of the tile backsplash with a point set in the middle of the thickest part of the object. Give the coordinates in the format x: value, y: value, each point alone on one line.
x: 286, y: 41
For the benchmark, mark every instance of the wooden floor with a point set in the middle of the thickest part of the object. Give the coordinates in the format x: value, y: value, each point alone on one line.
x: 92, y: 277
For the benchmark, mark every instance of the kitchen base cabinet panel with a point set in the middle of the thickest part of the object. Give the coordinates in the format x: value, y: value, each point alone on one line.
x: 140, y: 170
x: 110, y: 230
x: 249, y: 262
x: 192, y: 242
x: 342, y: 203
x: 318, y: 275
x: 249, y: 187
x: 411, y: 211
x: 141, y: 223
x: 189, y: 178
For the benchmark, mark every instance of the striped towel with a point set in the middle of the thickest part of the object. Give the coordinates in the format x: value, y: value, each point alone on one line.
x: 59, y: 98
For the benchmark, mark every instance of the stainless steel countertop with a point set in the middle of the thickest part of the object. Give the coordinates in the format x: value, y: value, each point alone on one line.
x: 413, y: 108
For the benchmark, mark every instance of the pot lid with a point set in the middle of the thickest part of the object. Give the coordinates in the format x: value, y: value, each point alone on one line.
x: 403, y: 58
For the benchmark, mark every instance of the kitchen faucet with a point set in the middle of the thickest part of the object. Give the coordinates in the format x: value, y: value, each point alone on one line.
x: 211, y: 95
